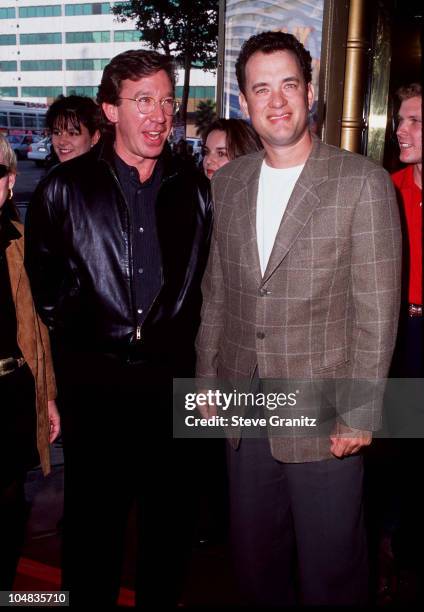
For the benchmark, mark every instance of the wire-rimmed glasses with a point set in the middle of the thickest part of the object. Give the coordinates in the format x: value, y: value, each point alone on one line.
x: 147, y: 104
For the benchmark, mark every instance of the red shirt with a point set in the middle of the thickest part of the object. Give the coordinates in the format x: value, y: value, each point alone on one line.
x: 411, y: 202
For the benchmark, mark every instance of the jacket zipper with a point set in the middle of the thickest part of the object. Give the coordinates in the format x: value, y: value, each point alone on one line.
x: 131, y: 262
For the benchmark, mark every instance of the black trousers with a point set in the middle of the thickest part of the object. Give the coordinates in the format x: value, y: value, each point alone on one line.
x: 406, y: 469
x: 118, y: 450
x: 18, y: 452
x: 13, y: 517
x: 311, y: 512
x: 408, y: 357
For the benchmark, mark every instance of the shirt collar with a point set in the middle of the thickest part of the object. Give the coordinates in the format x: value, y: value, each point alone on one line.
x: 130, y: 173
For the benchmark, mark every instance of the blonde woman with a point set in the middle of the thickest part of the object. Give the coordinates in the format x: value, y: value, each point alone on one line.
x: 29, y: 420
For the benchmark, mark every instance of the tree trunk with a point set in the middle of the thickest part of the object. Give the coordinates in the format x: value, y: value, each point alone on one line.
x: 164, y: 37
x: 186, y: 89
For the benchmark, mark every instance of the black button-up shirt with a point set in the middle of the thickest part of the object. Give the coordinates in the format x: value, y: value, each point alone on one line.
x: 147, y: 265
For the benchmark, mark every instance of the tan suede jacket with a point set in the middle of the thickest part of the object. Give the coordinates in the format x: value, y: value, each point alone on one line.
x: 33, y: 340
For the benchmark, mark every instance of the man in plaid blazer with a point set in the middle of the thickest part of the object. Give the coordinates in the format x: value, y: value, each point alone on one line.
x: 303, y: 282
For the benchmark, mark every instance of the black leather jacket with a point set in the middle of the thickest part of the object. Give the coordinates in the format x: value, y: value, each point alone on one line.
x: 79, y: 257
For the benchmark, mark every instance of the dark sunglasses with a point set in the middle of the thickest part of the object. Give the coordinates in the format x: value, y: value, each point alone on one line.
x: 4, y: 171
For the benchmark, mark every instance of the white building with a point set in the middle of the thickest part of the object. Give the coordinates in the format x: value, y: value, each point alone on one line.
x: 53, y: 47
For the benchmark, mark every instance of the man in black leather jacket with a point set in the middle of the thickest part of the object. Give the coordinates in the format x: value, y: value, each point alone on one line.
x: 117, y: 241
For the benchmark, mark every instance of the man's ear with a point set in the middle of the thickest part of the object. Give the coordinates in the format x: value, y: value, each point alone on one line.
x: 111, y: 111
x: 243, y: 105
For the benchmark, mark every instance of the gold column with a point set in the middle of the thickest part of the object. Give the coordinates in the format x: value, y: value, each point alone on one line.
x: 355, y: 78
x: 379, y: 95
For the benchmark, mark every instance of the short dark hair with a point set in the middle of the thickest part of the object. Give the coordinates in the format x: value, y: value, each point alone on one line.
x: 269, y: 42
x: 133, y: 65
x: 240, y: 137
x: 71, y: 111
x: 409, y: 91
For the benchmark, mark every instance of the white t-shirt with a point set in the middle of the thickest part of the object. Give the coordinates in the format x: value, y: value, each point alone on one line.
x: 275, y: 188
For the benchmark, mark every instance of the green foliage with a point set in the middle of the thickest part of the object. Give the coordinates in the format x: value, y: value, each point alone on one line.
x: 181, y: 28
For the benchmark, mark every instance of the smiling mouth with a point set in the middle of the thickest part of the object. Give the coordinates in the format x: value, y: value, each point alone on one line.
x: 153, y: 136
x: 405, y: 145
x: 279, y: 117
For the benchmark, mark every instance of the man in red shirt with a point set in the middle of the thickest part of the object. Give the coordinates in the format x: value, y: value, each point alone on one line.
x: 405, y: 407
x: 408, y: 361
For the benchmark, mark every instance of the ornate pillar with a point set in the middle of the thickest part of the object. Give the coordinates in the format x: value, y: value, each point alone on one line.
x: 355, y: 84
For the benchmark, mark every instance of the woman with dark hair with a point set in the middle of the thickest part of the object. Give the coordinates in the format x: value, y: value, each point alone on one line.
x: 29, y: 420
x: 74, y: 123
x: 226, y: 139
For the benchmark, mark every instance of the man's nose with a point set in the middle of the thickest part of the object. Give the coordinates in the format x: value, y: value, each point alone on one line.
x: 277, y: 99
x: 401, y: 129
x: 158, y: 114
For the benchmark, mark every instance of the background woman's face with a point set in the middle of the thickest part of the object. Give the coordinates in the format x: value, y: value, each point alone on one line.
x: 215, y: 152
x: 6, y: 183
x: 71, y: 142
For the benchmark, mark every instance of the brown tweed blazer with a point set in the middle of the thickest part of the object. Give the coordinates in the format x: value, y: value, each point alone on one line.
x: 327, y: 305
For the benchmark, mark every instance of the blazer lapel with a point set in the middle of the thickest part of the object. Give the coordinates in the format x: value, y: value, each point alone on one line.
x: 250, y: 202
x: 302, y: 203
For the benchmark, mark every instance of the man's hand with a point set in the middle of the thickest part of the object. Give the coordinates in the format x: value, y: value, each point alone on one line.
x: 54, y: 420
x: 347, y: 441
x: 206, y: 410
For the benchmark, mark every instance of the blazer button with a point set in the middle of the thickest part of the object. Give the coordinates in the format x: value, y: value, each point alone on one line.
x: 260, y: 335
x: 263, y: 292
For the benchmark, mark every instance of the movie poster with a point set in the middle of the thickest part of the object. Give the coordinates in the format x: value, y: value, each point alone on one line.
x: 303, y: 18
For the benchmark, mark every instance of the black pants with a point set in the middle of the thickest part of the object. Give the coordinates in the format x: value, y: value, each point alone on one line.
x: 118, y: 449
x: 312, y: 511
x: 18, y: 452
x: 13, y: 517
x: 408, y: 532
x: 408, y: 357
